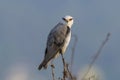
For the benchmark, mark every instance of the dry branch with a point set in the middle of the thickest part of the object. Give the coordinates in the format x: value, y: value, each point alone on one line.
x: 96, y: 55
x: 52, y: 68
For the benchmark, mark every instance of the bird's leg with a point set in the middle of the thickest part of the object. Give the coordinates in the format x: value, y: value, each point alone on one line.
x: 63, y: 60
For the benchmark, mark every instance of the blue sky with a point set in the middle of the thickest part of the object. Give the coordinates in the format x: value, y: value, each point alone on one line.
x: 25, y: 24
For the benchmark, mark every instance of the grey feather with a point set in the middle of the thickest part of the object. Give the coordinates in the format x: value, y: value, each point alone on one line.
x: 55, y: 42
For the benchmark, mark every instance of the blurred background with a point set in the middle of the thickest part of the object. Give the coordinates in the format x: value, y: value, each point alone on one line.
x: 25, y: 24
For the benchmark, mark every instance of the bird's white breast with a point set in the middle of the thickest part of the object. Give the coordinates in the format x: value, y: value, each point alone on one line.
x: 66, y: 42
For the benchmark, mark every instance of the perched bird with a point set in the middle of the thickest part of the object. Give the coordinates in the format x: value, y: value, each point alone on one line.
x: 58, y: 40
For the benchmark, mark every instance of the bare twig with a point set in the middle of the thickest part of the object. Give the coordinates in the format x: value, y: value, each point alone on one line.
x: 65, y: 74
x: 96, y: 55
x: 66, y: 71
x: 52, y: 68
x: 70, y: 74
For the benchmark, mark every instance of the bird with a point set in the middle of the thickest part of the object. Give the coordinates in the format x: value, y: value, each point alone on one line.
x: 57, y: 41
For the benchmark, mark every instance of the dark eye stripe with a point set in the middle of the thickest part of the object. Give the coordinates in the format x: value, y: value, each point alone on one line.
x: 63, y: 18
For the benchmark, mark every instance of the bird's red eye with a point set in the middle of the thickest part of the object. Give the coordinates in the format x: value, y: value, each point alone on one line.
x: 70, y: 19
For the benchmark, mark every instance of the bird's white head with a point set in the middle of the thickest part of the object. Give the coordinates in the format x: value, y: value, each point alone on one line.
x: 68, y: 20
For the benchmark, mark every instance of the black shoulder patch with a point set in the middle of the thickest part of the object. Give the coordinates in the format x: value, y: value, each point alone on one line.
x: 45, y: 52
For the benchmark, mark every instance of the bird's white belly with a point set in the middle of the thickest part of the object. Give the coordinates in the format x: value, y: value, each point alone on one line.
x: 66, y: 43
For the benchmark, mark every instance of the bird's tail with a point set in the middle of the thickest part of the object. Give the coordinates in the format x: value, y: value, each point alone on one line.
x: 43, y: 64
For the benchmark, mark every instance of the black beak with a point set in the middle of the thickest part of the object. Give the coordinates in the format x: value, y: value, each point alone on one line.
x: 64, y: 19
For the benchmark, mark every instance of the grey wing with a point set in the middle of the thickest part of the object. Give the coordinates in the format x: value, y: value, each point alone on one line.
x: 56, y: 40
